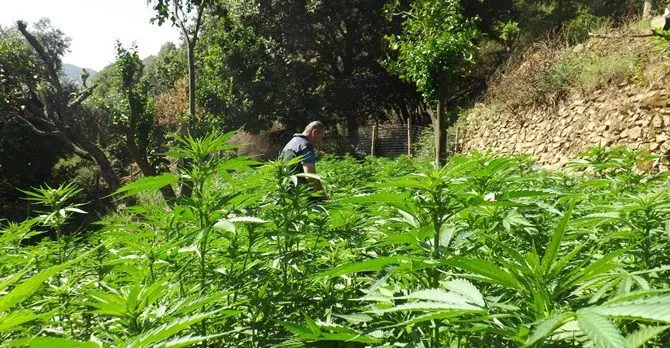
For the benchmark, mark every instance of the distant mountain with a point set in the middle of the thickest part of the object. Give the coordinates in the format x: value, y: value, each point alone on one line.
x: 73, y: 72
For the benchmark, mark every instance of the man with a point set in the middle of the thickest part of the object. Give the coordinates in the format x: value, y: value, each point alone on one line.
x: 302, y: 144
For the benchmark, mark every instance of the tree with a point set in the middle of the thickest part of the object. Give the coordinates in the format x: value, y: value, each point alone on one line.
x: 188, y: 16
x: 291, y: 61
x: 130, y: 69
x: 50, y: 108
x: 435, y: 49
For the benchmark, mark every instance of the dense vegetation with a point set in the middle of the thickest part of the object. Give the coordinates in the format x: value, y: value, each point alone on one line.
x: 128, y: 219
x: 266, y: 66
x: 485, y: 251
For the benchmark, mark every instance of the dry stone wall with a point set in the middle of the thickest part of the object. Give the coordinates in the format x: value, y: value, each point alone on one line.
x: 624, y: 115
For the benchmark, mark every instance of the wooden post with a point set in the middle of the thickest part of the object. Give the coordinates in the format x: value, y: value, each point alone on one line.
x: 373, y: 141
x: 456, y: 141
x: 409, y: 136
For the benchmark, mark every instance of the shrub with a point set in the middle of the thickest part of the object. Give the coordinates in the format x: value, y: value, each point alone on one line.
x: 578, y: 29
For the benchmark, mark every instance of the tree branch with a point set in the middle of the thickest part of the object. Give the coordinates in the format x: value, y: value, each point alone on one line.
x: 41, y: 52
x: 608, y: 36
x: 82, y: 97
x: 181, y: 21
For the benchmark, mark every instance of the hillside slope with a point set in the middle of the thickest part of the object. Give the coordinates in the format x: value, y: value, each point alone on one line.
x: 557, y: 101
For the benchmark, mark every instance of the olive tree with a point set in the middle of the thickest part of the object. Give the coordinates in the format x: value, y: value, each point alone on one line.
x: 434, y: 49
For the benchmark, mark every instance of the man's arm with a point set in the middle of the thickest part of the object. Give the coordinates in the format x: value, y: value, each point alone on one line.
x: 311, y: 169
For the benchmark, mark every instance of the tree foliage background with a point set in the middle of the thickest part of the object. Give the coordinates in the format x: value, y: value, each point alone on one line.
x: 265, y: 65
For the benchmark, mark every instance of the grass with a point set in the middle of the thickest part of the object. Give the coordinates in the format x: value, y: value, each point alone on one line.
x: 552, y: 71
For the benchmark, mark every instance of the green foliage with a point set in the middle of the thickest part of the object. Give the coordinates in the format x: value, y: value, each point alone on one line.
x: 579, y: 28
x: 435, y: 48
x: 509, y: 31
x: 485, y: 251
x: 25, y: 158
x: 587, y: 71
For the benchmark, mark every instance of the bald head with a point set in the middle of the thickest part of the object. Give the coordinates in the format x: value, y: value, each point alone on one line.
x: 314, y: 132
x: 315, y: 125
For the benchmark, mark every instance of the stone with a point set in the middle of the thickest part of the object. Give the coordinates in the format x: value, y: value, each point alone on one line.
x: 643, y: 122
x: 657, y: 121
x: 658, y: 23
x: 653, y: 100
x: 635, y: 133
x: 623, y: 134
x: 661, y: 138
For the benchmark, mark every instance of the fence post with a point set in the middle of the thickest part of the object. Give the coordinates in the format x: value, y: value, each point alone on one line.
x: 409, y: 136
x: 373, y: 141
x: 456, y: 142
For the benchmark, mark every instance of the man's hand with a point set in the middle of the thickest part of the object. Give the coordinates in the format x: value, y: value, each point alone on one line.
x: 310, y: 168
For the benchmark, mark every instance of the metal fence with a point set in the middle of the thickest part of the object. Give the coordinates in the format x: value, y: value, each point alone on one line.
x: 392, y: 140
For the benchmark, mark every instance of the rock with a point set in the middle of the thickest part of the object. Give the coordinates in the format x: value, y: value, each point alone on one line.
x: 579, y: 48
x: 623, y: 134
x: 661, y: 138
x: 660, y: 23
x: 653, y: 100
x: 657, y: 121
x: 635, y: 133
x: 591, y: 126
x: 643, y: 96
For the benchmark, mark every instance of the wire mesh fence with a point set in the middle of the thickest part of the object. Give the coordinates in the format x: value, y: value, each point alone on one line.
x: 392, y: 140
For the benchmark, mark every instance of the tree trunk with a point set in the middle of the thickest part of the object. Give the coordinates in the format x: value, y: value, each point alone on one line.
x: 100, y: 159
x: 648, y: 8
x: 191, y: 82
x: 140, y: 157
x: 64, y: 126
x: 409, y: 136
x: 440, y: 129
x: 352, y: 128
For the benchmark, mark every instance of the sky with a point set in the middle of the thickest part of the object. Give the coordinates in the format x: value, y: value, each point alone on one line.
x: 94, y: 26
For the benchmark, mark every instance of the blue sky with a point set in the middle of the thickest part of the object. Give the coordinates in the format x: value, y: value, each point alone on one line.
x: 94, y: 26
